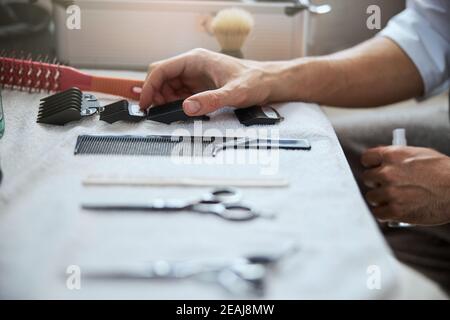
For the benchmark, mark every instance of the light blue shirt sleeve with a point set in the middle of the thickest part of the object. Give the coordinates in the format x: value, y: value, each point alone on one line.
x: 422, y: 30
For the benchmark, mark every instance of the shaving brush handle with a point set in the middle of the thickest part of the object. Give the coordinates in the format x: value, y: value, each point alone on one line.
x: 233, y: 53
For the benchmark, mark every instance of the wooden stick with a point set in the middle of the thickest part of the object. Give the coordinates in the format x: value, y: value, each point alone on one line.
x: 276, y: 182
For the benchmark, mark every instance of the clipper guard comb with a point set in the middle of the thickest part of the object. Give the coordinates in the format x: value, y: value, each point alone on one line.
x: 121, y: 110
x: 66, y: 106
x: 258, y: 115
x: 171, y: 112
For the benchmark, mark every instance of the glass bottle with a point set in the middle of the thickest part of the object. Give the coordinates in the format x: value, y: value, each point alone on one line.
x: 2, y: 118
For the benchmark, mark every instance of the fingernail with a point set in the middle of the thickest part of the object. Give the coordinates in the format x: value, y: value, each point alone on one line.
x: 191, y: 107
x: 373, y: 203
x: 369, y: 184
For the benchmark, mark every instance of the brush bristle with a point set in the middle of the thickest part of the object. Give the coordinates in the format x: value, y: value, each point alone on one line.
x: 35, y: 76
x: 231, y: 27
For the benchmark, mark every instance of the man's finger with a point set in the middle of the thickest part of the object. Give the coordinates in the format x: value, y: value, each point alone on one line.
x: 176, y: 84
x: 152, y: 66
x: 371, y: 177
x: 168, y: 93
x: 383, y: 213
x: 378, y: 176
x: 147, y: 93
x: 387, y: 154
x: 381, y: 196
x: 391, y: 211
x: 372, y: 157
x: 208, y: 101
x: 162, y: 72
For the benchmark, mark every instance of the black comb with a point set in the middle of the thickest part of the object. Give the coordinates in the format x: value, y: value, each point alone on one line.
x: 121, y: 110
x: 171, y: 112
x: 66, y: 106
x: 177, y: 146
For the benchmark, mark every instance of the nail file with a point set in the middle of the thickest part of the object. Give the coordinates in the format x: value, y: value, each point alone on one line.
x: 159, y: 145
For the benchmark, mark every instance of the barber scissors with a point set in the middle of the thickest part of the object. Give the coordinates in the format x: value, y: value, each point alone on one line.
x: 224, y: 203
x: 243, y: 275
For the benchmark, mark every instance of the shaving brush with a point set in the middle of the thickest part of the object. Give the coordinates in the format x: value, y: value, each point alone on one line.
x: 231, y: 28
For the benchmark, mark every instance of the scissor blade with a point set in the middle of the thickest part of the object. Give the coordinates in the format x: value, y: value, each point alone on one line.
x: 155, y: 205
x: 151, y: 270
x: 124, y: 207
x: 154, y: 270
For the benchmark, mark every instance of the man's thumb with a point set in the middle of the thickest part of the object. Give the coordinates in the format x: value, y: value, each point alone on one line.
x: 207, y: 101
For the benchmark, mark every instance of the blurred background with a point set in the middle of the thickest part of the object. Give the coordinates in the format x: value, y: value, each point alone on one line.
x: 130, y: 34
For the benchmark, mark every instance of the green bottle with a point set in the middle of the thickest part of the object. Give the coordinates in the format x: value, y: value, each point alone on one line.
x: 2, y: 126
x: 2, y: 118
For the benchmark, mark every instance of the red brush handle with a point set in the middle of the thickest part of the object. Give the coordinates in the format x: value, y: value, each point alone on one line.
x: 127, y: 88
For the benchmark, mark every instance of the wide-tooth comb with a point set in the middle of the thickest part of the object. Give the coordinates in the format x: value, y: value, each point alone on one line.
x: 67, y: 106
x: 39, y: 76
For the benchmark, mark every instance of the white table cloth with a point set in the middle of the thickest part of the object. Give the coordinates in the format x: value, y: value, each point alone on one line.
x: 43, y: 229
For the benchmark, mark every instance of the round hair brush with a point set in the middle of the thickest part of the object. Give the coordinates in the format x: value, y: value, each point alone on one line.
x: 36, y: 76
x: 231, y: 28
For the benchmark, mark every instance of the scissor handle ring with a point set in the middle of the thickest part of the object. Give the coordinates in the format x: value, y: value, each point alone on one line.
x: 238, y: 213
x: 232, y: 212
x: 226, y: 195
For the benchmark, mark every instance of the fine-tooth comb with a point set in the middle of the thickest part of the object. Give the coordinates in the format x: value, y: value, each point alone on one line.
x: 180, y: 146
x: 36, y: 76
x: 151, y: 145
x: 66, y: 106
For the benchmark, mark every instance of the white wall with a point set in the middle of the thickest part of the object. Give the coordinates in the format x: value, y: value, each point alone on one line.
x: 343, y: 27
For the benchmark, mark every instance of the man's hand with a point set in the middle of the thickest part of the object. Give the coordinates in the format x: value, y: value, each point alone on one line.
x: 408, y: 184
x: 208, y: 80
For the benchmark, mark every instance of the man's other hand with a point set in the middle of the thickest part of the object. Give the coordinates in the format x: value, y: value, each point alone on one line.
x: 408, y: 184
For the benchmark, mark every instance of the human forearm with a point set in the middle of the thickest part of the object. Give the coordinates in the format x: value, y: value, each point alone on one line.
x: 373, y: 73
